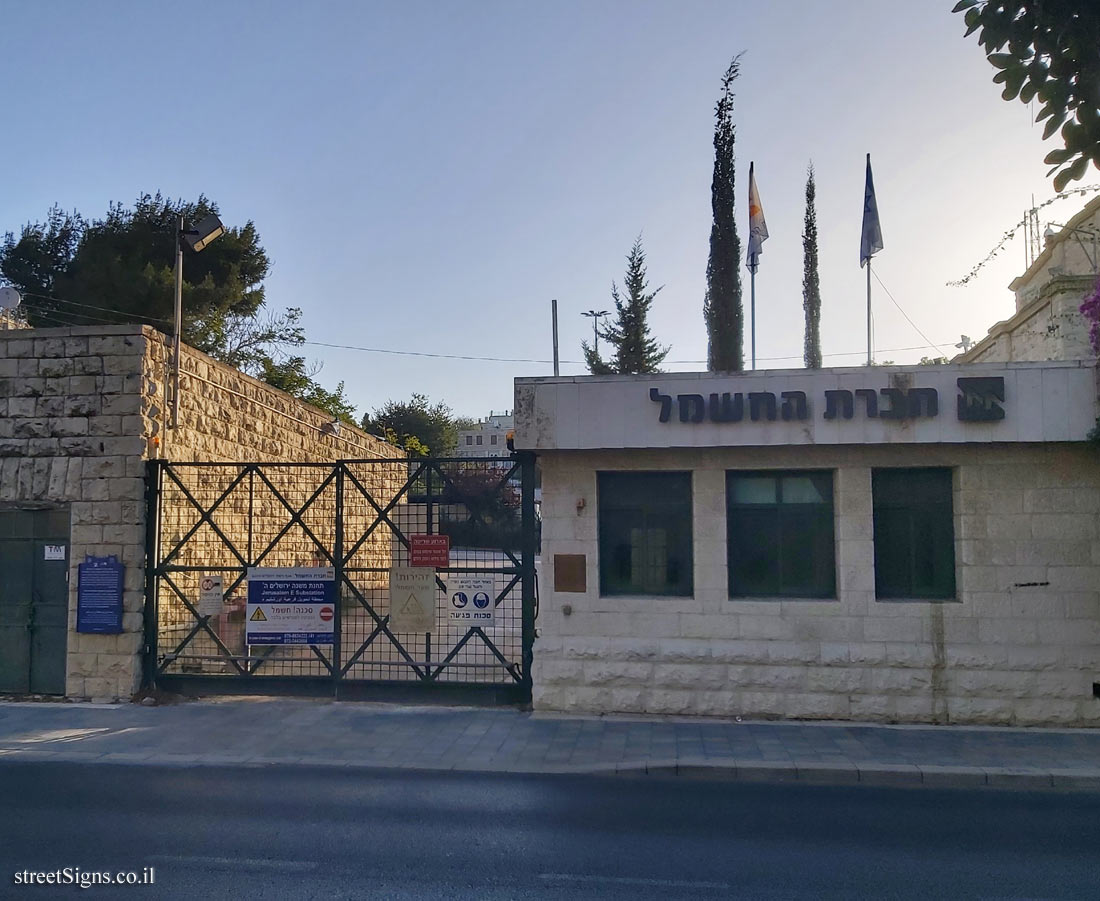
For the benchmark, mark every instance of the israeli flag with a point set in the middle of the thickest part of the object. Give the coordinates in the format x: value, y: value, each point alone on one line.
x: 872, y: 231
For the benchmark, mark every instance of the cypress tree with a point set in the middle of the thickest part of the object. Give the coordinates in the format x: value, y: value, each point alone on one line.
x: 722, y: 309
x: 635, y: 350
x: 811, y: 285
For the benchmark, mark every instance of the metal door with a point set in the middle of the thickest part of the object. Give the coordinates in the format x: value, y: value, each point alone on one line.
x: 34, y: 561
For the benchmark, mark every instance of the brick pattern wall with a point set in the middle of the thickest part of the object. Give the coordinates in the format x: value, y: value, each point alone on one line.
x: 71, y: 432
x: 80, y: 411
x: 1021, y: 645
x: 228, y: 416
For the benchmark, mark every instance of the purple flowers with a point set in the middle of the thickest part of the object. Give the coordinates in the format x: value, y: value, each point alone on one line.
x: 1090, y: 309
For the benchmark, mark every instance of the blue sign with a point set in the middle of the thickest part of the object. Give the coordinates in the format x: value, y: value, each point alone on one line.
x: 99, y: 595
x: 481, y: 600
x: 290, y: 606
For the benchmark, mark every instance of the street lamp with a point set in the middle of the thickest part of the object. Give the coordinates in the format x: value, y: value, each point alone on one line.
x: 197, y: 238
x: 595, y: 316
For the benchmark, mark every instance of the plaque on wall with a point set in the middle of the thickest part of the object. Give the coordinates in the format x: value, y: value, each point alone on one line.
x: 99, y: 595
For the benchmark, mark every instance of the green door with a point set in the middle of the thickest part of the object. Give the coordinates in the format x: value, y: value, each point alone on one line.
x: 34, y: 600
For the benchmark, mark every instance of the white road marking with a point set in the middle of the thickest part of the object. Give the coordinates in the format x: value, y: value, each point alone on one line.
x: 631, y: 880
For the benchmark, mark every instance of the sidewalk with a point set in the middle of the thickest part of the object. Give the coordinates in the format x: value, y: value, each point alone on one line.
x: 264, y: 731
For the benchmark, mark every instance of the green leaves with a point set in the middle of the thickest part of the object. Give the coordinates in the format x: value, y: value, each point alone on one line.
x: 1049, y: 51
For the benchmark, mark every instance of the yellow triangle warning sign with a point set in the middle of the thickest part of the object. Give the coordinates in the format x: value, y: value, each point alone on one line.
x: 258, y: 616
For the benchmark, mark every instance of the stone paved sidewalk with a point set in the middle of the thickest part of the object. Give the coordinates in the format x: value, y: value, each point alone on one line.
x: 263, y: 731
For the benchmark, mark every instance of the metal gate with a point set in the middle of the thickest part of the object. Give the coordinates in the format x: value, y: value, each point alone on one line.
x: 356, y: 516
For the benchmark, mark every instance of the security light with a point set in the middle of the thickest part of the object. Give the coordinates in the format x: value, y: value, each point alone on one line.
x: 197, y: 238
x: 202, y: 234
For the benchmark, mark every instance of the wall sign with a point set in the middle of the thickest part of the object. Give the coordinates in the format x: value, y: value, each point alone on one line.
x: 99, y: 595
x: 295, y: 605
x: 472, y: 600
x: 979, y: 400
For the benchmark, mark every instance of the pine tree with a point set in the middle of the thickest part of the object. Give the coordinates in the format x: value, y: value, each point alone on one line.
x: 811, y: 285
x: 635, y: 350
x: 722, y: 309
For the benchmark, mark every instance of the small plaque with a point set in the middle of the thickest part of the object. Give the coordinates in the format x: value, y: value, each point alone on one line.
x: 211, y: 601
x: 54, y: 552
x: 571, y: 573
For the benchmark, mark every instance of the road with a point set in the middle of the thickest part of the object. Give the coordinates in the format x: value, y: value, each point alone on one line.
x: 298, y: 832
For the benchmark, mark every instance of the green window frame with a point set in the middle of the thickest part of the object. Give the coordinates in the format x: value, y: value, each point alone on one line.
x: 914, y: 533
x: 645, y: 533
x: 780, y: 534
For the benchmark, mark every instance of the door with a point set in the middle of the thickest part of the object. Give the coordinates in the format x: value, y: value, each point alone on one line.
x: 34, y: 600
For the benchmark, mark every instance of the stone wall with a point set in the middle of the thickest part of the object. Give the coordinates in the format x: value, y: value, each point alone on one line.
x: 226, y: 416
x: 1021, y: 645
x: 1049, y: 327
x: 81, y: 409
x: 72, y: 433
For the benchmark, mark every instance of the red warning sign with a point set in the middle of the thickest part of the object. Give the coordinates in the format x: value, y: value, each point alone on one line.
x: 429, y: 550
x: 325, y: 613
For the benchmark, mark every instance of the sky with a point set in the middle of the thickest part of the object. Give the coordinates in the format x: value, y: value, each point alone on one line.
x: 427, y: 176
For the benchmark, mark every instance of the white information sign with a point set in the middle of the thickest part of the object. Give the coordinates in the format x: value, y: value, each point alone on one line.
x: 472, y: 599
x: 412, y: 599
x: 54, y: 552
x: 211, y: 598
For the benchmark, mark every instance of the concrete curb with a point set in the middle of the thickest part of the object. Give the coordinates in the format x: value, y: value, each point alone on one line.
x: 749, y: 771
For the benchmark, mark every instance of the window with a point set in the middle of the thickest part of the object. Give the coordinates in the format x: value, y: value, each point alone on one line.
x: 645, y: 533
x: 492, y: 439
x: 479, y: 440
x: 469, y: 439
x: 914, y: 533
x: 779, y: 534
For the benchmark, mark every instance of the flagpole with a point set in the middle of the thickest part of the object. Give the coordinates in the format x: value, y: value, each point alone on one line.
x: 870, y: 361
x: 752, y: 311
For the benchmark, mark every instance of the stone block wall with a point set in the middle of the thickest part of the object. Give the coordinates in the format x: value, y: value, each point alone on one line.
x: 1021, y: 645
x: 71, y: 433
x: 81, y: 409
x: 231, y: 418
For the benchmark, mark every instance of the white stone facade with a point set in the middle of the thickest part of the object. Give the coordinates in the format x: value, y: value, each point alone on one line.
x: 1018, y: 644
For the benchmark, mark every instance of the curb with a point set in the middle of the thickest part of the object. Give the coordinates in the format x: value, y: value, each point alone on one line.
x: 748, y: 771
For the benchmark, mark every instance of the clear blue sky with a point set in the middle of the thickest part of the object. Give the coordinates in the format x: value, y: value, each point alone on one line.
x: 426, y: 176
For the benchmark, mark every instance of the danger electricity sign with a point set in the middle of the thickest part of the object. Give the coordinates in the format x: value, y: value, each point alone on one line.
x: 291, y: 605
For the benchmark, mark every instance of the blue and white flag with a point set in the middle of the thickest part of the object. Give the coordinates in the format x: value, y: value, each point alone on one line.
x: 872, y: 231
x: 758, y: 228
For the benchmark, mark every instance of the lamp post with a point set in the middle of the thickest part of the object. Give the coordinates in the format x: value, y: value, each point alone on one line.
x: 197, y: 238
x: 595, y: 316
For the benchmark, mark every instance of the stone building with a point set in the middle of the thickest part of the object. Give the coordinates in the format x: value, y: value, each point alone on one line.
x: 915, y: 544
x: 1047, y: 323
x: 81, y: 411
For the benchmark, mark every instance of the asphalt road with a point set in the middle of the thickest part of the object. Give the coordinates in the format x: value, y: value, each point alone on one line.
x: 295, y: 832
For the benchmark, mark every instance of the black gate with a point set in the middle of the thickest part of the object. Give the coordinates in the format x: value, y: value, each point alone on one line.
x: 358, y: 517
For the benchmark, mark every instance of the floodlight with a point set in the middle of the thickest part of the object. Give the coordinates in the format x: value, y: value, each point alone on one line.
x: 202, y: 234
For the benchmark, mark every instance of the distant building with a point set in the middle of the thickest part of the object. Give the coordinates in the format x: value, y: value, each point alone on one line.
x: 488, y: 439
x: 1048, y: 324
